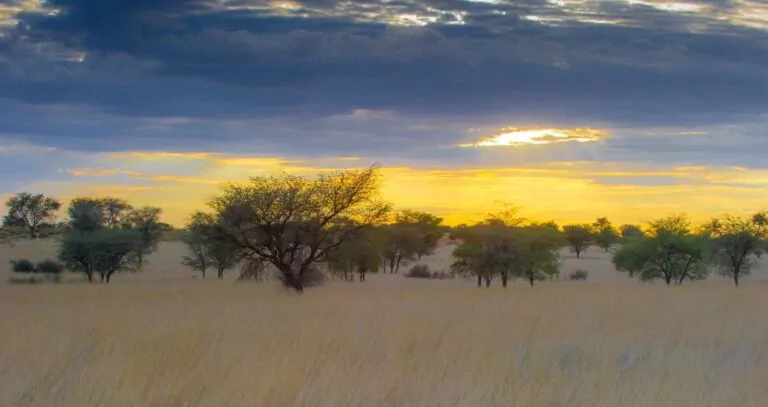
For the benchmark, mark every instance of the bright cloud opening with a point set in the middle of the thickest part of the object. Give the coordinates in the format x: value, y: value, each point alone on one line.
x: 518, y: 137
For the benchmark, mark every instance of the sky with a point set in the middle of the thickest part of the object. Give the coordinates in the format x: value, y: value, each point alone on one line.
x: 567, y: 109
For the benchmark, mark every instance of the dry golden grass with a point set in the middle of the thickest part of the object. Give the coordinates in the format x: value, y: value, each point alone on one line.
x: 161, y: 338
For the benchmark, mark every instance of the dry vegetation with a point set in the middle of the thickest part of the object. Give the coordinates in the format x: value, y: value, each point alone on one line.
x: 163, y: 338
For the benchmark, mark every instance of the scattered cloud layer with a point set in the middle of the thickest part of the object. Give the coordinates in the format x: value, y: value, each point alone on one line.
x: 182, y: 85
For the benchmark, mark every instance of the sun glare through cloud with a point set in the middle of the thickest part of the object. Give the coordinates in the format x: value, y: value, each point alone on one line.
x: 520, y: 137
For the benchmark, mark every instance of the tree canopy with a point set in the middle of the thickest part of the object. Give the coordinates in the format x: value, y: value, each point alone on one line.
x: 294, y: 222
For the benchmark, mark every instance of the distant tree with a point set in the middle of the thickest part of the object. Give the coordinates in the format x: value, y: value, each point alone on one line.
x: 605, y: 234
x: 737, y: 243
x: 31, y: 211
x: 145, y: 221
x: 631, y: 231
x: 509, y: 250
x: 427, y: 226
x: 675, y: 224
x: 115, y: 211
x: 86, y: 215
x: 103, y: 252
x: 401, y: 245
x: 294, y: 222
x: 579, y: 237
x: 197, y: 242
x: 361, y: 256
x: 670, y: 253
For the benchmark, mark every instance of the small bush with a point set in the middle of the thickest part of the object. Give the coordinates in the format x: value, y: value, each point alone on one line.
x: 23, y: 266
x: 419, y: 271
x: 50, y: 267
x: 578, y: 275
x: 25, y: 280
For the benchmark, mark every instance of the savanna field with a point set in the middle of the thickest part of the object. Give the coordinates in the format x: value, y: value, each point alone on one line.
x: 165, y: 338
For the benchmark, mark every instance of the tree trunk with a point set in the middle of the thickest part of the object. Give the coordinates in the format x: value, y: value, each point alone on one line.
x: 487, y: 282
x: 293, y: 281
x: 682, y: 277
x: 504, y: 277
x: 736, y: 274
x: 668, y: 278
x: 479, y: 281
x: 203, y: 272
x: 109, y: 275
x: 578, y: 254
x: 531, y: 278
x: 362, y: 276
x: 220, y: 274
x: 33, y: 232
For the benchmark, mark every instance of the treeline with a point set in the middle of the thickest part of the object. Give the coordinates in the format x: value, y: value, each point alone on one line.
x: 336, y: 223
x: 100, y: 237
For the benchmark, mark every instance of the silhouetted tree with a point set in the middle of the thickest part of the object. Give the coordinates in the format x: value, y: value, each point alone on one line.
x: 294, y: 222
x: 630, y: 231
x: 579, y: 237
x: 737, y: 243
x: 31, y: 210
x: 103, y: 252
x: 605, y: 234
x: 145, y: 221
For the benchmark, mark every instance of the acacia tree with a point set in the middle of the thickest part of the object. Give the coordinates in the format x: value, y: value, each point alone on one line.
x: 736, y: 243
x: 630, y: 231
x: 31, y: 211
x: 670, y: 252
x: 116, y: 211
x: 208, y: 245
x: 509, y: 250
x: 361, y: 255
x: 146, y: 221
x: 294, y: 222
x: 605, y: 234
x: 103, y: 252
x: 579, y: 237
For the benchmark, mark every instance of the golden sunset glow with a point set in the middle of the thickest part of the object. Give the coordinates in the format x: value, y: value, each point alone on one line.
x: 577, y: 191
x: 518, y: 137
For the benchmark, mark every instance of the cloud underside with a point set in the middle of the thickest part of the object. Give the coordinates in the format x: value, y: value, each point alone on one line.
x: 520, y: 84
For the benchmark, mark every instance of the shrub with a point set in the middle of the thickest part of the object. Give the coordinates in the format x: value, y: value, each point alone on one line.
x: 419, y: 271
x: 24, y: 280
x: 578, y: 275
x: 50, y: 267
x: 23, y: 266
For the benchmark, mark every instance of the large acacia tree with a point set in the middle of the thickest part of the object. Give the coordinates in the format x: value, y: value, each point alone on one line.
x: 294, y: 222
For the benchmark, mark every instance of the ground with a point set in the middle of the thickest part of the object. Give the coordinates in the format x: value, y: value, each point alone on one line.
x: 164, y: 338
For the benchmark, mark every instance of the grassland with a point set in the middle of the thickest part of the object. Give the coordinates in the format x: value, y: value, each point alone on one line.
x: 163, y: 338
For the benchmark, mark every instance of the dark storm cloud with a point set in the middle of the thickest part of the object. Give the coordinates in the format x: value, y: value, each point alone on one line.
x: 519, y: 61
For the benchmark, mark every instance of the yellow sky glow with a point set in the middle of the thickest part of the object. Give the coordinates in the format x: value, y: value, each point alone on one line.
x: 565, y: 192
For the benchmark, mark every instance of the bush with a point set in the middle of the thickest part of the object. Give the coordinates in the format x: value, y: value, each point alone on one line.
x: 23, y: 266
x: 578, y: 275
x: 50, y: 267
x: 25, y: 280
x: 419, y: 271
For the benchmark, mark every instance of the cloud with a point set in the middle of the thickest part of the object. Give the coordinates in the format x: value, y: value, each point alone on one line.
x: 520, y: 137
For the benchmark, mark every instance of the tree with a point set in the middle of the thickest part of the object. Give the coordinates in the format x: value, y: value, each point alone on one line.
x: 736, y: 244
x: 103, y: 252
x: 673, y: 254
x: 294, y: 222
x: 31, y: 211
x: 579, y: 237
x: 209, y: 245
x: 427, y: 226
x: 115, y: 211
x: 145, y: 221
x: 361, y: 255
x: 197, y: 244
x: 509, y: 250
x: 631, y: 231
x: 86, y: 215
x: 605, y: 234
